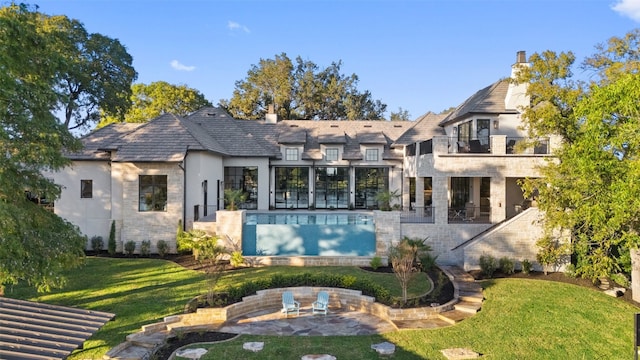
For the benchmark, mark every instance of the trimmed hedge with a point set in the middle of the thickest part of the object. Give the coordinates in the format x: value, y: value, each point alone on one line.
x: 382, y: 295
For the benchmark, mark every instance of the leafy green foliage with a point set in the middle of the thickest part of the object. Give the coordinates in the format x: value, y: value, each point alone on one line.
x: 129, y: 247
x: 145, y: 248
x: 507, y: 266
x: 234, y: 197
x: 301, y: 91
x: 111, y: 245
x: 386, y: 198
x: 97, y: 243
x: 163, y: 248
x: 36, y: 245
x: 526, y: 266
x: 552, y: 253
x: 589, y: 193
x: 488, y: 265
x: 375, y: 262
x: 157, y: 98
x: 236, y: 259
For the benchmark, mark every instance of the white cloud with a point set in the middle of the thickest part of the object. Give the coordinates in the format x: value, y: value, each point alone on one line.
x: 630, y: 8
x: 181, y: 67
x: 232, y: 25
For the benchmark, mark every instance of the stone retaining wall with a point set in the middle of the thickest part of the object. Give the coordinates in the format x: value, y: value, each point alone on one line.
x: 271, y: 299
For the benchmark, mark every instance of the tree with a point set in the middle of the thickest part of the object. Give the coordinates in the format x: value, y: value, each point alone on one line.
x: 402, y: 258
x: 36, y: 246
x: 301, y: 91
x: 97, y: 72
x: 157, y: 98
x: 401, y: 115
x: 591, y: 191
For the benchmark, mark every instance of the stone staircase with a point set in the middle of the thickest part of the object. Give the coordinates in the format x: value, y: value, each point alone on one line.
x: 469, y: 295
x: 468, y: 298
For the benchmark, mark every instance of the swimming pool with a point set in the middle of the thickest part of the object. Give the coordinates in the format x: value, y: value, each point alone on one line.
x: 309, y: 234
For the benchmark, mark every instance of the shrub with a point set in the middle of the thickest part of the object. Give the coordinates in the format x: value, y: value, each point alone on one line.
x: 375, y: 262
x: 526, y: 266
x: 552, y: 252
x: 111, y: 245
x: 97, y: 244
x: 488, y: 265
x: 145, y: 248
x: 236, y: 259
x: 163, y: 248
x: 428, y: 262
x: 621, y: 279
x: 507, y: 266
x: 129, y: 247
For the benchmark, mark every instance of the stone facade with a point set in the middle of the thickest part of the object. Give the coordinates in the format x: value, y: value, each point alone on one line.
x: 154, y: 226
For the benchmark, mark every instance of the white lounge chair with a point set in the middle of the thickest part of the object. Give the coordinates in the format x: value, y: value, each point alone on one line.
x: 289, y: 305
x: 321, y: 305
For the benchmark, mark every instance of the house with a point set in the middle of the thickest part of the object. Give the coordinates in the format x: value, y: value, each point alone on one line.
x: 457, y: 173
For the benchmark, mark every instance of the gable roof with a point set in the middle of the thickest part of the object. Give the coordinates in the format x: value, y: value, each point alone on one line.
x: 164, y: 138
x: 490, y: 100
x: 425, y: 127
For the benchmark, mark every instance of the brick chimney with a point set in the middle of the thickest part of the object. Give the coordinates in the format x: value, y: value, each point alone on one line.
x: 271, y: 117
x: 516, y: 94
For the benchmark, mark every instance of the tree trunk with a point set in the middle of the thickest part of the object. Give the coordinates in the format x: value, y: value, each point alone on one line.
x: 635, y: 274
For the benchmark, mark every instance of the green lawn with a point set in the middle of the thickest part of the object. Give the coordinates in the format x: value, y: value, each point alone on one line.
x: 521, y: 319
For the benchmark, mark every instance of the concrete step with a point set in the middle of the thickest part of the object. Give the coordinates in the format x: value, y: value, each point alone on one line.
x: 129, y: 352
x: 149, y: 341
x: 421, y: 324
x: 465, y: 288
x: 467, y: 306
x: 471, y: 296
x: 454, y: 316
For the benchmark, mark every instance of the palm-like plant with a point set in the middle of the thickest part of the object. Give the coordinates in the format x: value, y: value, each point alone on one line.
x: 385, y: 198
x: 233, y: 197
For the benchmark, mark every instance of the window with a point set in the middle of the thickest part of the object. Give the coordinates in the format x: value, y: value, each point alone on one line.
x: 86, y: 189
x: 291, y: 154
x: 371, y: 155
x: 153, y: 193
x: 331, y: 154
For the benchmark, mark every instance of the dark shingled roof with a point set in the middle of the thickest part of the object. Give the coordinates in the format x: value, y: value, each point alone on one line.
x: 489, y: 100
x: 95, y: 141
x: 167, y: 138
x: 164, y: 138
x: 425, y: 127
x: 32, y: 330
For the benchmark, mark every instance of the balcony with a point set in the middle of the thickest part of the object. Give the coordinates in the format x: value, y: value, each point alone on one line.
x: 469, y: 214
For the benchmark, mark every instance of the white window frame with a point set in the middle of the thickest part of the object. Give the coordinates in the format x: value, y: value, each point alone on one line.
x: 371, y: 154
x: 335, y: 154
x: 291, y: 154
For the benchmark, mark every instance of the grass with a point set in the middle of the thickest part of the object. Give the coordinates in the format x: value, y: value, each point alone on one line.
x: 520, y: 319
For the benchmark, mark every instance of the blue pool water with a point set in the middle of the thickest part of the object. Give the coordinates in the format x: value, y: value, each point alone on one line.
x: 320, y: 234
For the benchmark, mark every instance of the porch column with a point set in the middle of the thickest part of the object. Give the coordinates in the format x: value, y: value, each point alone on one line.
x: 498, y: 199
x: 419, y: 192
x: 406, y: 193
x: 440, y: 199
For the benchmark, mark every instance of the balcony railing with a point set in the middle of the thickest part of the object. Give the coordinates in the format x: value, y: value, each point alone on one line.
x: 418, y: 215
x: 514, y: 146
x: 470, y: 214
x: 204, y: 212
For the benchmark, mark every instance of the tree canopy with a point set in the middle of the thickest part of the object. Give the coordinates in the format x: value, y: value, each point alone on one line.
x: 35, y: 244
x: 157, y: 98
x: 591, y: 191
x: 301, y: 91
x: 96, y: 75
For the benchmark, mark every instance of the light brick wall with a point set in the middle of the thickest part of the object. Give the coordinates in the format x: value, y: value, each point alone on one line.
x: 138, y: 225
x: 515, y: 239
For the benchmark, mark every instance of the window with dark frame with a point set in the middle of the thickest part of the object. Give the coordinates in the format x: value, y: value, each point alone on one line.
x: 86, y: 189
x: 153, y: 193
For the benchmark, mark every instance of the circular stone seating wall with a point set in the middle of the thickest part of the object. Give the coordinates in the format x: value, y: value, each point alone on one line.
x: 271, y: 299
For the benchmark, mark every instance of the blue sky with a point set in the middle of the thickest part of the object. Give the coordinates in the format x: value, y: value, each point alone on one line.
x: 420, y: 55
